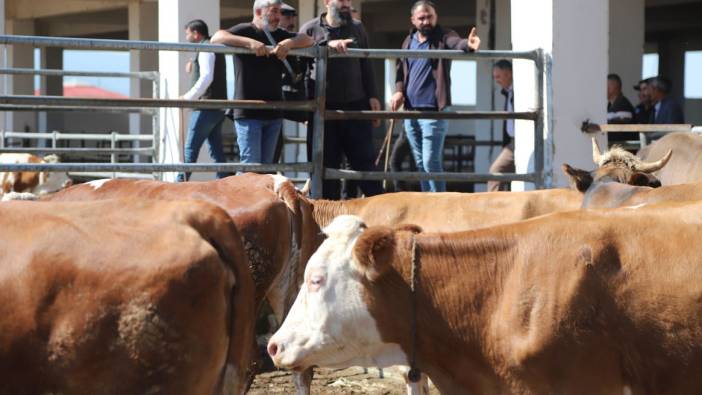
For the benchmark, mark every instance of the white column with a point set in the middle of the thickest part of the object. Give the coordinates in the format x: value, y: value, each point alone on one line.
x: 575, y: 33
x: 626, y: 42
x: 172, y: 17
x: 143, y: 25
x: 484, y: 89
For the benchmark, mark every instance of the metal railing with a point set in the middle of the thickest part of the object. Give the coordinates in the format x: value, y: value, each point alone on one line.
x: 318, y: 106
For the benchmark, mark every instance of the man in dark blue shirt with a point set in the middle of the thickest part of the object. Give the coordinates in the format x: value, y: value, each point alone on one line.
x: 425, y: 84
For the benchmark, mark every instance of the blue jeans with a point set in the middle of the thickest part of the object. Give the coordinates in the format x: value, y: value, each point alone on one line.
x: 204, y: 125
x: 426, y: 138
x: 257, y: 139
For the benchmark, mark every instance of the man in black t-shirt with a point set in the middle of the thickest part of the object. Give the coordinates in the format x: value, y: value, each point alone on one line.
x: 258, y: 77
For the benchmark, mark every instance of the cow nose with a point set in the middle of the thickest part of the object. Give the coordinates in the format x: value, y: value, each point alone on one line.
x: 273, y: 349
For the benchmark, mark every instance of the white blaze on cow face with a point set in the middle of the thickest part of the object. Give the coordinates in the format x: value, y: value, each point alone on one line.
x: 329, y: 324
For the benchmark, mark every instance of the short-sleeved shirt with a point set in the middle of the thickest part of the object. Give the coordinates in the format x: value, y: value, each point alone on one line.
x: 258, y: 77
x: 421, y: 85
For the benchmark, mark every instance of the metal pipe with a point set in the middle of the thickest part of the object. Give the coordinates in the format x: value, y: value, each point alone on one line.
x: 539, y: 121
x: 157, y: 167
x: 373, y: 53
x: 31, y: 107
x: 147, y: 75
x: 101, y: 44
x: 417, y: 176
x: 78, y: 136
x: 340, y: 114
x: 69, y: 151
x: 302, y: 105
x: 318, y: 173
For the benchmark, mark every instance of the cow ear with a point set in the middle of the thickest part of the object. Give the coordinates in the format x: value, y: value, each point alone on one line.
x: 639, y: 179
x: 580, y: 179
x: 373, y: 251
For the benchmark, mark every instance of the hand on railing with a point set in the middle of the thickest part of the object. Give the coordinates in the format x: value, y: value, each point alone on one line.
x: 340, y: 46
x: 259, y: 48
x: 397, y: 100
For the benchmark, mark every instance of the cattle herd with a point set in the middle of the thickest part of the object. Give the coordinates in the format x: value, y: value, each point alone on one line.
x: 134, y: 286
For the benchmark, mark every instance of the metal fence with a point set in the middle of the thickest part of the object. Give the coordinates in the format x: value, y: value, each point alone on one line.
x: 321, y: 54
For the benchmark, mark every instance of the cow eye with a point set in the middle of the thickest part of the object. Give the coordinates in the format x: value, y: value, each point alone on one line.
x: 315, y: 283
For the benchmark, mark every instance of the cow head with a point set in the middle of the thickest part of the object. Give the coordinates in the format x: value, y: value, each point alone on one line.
x: 330, y: 324
x: 616, y: 165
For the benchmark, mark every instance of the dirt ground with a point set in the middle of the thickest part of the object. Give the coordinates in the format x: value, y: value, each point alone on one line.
x: 335, y: 381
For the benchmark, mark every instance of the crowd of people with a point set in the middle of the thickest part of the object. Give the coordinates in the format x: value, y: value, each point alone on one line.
x: 421, y: 84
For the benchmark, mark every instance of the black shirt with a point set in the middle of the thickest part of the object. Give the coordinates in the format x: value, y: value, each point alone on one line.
x: 348, y: 79
x: 258, y: 77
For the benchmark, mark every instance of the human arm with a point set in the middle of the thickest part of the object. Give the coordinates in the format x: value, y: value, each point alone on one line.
x: 233, y: 40
x: 300, y: 40
x: 453, y: 41
x: 206, y: 61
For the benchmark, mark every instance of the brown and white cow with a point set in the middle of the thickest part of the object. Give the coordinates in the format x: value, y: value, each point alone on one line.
x: 685, y: 166
x: 123, y: 297
x: 37, y: 183
x: 584, y: 302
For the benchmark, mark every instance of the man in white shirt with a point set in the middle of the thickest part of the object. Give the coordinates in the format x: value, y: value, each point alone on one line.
x: 502, y: 73
x: 209, y: 82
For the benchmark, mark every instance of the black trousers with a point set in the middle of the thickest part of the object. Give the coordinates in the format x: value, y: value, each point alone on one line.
x: 352, y: 138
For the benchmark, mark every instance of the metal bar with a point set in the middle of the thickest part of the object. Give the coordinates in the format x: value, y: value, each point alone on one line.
x: 432, y: 54
x: 340, y: 114
x: 147, y: 75
x: 302, y: 105
x: 539, y: 121
x: 156, y: 127
x: 318, y: 173
x: 6, y: 107
x: 88, y: 174
x: 78, y: 136
x: 101, y: 44
x: 641, y: 128
x: 68, y: 151
x: 157, y: 167
x: 417, y: 176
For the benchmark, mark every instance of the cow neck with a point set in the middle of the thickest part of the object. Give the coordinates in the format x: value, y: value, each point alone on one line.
x: 324, y: 211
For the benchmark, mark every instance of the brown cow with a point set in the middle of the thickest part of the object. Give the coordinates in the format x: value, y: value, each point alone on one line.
x: 123, y: 297
x: 267, y: 213
x: 37, y: 183
x: 583, y: 302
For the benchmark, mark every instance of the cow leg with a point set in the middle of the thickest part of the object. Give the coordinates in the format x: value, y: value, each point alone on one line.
x: 303, y: 381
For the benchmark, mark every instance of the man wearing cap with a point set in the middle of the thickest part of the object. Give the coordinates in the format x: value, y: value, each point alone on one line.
x: 287, y: 17
x: 642, y: 111
x: 258, y: 77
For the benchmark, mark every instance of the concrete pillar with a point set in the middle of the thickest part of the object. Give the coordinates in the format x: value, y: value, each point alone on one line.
x: 484, y: 98
x: 51, y: 58
x: 626, y: 43
x: 21, y: 56
x: 671, y: 64
x: 143, y: 25
x: 172, y: 17
x: 575, y: 33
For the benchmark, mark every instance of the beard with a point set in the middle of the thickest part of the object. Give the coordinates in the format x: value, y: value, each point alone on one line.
x: 426, y: 30
x: 339, y: 15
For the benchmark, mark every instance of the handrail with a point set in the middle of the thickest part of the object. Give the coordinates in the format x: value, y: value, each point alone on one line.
x: 147, y: 75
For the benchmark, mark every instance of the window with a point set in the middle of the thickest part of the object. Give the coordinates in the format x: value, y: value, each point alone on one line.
x: 650, y: 65
x: 463, y: 82
x: 693, y: 79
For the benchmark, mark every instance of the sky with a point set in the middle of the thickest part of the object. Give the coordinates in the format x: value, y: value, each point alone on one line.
x: 462, y: 73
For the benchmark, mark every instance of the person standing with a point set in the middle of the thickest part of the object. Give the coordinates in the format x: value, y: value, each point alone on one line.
x: 666, y: 110
x: 642, y: 111
x: 258, y: 77
x: 350, y: 86
x: 425, y: 84
x: 209, y: 82
x: 504, y: 163
x: 619, y: 109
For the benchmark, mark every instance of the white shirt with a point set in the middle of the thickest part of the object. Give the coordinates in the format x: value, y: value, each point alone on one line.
x: 207, y: 62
